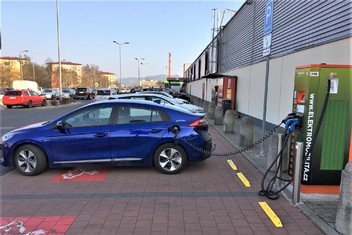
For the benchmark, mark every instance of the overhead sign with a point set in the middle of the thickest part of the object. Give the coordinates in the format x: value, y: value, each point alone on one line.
x: 268, y: 17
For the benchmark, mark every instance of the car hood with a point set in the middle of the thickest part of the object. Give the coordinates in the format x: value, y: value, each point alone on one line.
x: 30, y: 127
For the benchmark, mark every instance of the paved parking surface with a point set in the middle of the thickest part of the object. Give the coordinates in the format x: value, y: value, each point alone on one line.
x: 205, y: 198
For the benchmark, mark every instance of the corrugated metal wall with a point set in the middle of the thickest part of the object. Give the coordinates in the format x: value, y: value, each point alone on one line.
x: 297, y: 25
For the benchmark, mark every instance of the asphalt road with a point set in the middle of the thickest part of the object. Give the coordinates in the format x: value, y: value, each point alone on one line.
x: 16, y: 117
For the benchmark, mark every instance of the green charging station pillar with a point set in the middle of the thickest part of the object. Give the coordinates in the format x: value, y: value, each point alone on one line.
x: 324, y: 161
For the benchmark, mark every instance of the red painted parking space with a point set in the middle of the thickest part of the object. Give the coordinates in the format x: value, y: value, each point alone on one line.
x: 80, y: 175
x: 35, y: 225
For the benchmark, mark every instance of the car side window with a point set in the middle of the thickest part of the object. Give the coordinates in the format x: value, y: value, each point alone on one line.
x: 98, y: 116
x: 26, y: 93
x: 33, y: 93
x: 133, y: 115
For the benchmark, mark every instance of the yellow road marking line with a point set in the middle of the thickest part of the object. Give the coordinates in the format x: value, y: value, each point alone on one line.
x: 271, y: 214
x: 233, y: 166
x: 244, y: 180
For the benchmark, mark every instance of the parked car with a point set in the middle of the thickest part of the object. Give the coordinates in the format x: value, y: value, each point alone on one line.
x: 179, y: 100
x: 112, y: 132
x: 104, y: 93
x: 26, y: 98
x: 183, y: 96
x: 124, y: 90
x: 84, y: 93
x: 163, y: 89
x: 68, y: 93
x: 50, y: 93
x: 160, y: 99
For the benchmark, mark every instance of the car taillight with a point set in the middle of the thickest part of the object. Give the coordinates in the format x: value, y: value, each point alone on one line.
x: 200, y: 122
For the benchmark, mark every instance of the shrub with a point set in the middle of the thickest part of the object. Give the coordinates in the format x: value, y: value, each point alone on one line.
x: 65, y: 101
x: 54, y: 102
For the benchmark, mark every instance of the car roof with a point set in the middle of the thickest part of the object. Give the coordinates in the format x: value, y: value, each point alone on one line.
x: 145, y: 103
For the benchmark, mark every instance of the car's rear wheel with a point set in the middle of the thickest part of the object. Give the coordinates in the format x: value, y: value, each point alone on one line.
x: 170, y: 158
x: 9, y: 106
x: 29, y: 105
x: 30, y: 160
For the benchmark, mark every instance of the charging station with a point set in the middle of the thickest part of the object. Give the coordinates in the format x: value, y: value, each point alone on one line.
x: 326, y: 146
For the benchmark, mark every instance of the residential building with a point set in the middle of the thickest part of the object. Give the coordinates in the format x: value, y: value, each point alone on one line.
x: 110, y: 78
x: 71, y: 74
x: 10, y: 69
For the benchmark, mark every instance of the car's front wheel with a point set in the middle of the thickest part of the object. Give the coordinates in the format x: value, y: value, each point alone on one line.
x: 170, y: 158
x: 44, y: 103
x: 29, y: 105
x: 30, y: 160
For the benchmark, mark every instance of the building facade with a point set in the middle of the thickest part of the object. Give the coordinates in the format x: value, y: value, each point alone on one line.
x: 71, y: 74
x: 110, y: 79
x: 303, y: 32
x: 11, y: 68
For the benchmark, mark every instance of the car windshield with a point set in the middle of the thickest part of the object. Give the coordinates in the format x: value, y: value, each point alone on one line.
x: 103, y: 92
x: 81, y: 89
x: 47, y: 90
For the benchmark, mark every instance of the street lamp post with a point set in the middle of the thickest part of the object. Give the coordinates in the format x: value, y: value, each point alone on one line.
x: 139, y: 70
x: 119, y: 44
x: 21, y: 62
x: 143, y: 70
x: 58, y: 46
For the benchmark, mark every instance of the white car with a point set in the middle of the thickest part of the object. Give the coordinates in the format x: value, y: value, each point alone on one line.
x: 104, y: 93
x: 50, y: 94
x: 159, y: 99
x: 125, y: 90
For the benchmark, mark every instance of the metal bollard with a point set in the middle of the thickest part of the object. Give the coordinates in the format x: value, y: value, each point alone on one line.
x: 297, y: 174
x: 280, y: 138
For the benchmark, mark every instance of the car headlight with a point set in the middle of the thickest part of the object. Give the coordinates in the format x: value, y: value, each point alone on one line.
x: 6, y: 137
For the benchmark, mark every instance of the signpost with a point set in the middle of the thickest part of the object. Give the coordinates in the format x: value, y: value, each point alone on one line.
x: 268, y: 28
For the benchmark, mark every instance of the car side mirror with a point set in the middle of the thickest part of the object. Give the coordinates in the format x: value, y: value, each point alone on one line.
x: 60, y: 125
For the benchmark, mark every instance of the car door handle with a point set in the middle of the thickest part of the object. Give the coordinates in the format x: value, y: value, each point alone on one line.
x: 101, y: 134
x: 155, y: 130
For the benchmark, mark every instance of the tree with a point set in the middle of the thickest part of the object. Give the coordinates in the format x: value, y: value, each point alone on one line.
x: 90, y: 75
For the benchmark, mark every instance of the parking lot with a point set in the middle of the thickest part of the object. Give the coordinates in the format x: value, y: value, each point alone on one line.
x: 205, y: 198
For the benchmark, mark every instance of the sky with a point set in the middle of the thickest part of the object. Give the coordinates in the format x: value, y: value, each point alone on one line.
x: 88, y: 28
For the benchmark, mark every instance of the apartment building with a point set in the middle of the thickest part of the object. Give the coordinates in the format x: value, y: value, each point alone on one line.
x: 71, y: 74
x: 110, y: 78
x: 11, y: 68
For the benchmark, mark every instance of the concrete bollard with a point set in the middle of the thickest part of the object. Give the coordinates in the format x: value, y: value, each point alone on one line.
x: 205, y: 105
x: 211, y: 110
x: 246, y: 132
x: 219, y: 119
x: 229, y: 121
x: 343, y: 222
x: 201, y: 102
x: 273, y: 152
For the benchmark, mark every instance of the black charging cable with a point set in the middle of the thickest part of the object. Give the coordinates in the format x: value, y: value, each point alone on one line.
x: 268, y: 190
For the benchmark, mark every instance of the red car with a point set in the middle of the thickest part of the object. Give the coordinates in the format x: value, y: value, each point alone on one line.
x: 26, y: 98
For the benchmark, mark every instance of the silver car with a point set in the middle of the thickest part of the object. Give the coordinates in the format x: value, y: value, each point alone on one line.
x: 160, y: 99
x: 50, y: 93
